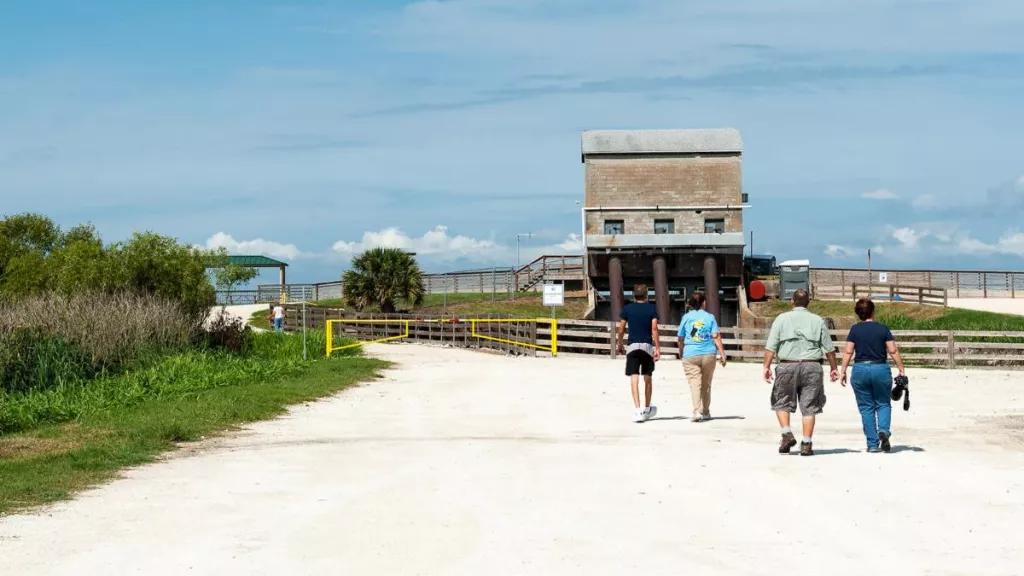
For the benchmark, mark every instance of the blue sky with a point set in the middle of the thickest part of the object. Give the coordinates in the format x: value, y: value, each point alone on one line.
x: 309, y: 130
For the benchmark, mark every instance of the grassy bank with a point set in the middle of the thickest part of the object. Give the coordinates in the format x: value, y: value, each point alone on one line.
x: 69, y: 438
x: 902, y: 316
x: 525, y: 304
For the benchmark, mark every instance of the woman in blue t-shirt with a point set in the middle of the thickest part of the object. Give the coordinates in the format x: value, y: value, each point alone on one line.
x: 700, y: 344
x: 872, y: 342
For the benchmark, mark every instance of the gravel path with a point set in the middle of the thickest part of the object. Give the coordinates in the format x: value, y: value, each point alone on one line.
x: 463, y: 462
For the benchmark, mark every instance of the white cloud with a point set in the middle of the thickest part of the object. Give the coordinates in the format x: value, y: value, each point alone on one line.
x: 838, y: 251
x: 880, y: 194
x: 925, y: 202
x: 908, y: 237
x: 256, y: 246
x: 436, y: 242
x: 1011, y: 243
x: 572, y: 244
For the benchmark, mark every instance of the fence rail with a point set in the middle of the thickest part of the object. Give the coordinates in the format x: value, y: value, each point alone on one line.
x: 958, y: 283
x: 937, y: 348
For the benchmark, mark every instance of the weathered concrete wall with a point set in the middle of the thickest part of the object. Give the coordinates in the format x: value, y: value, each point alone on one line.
x: 672, y: 181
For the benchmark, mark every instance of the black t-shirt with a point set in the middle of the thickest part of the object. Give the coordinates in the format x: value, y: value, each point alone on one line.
x: 638, y: 316
x: 869, y: 340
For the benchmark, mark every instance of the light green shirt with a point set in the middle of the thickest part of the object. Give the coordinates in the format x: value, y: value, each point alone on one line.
x: 799, y: 335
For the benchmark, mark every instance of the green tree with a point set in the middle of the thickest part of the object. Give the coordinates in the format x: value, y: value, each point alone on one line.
x: 80, y: 263
x: 25, y: 242
x: 383, y: 277
x: 149, y: 263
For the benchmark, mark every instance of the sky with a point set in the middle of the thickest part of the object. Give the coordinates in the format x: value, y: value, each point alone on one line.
x: 308, y: 131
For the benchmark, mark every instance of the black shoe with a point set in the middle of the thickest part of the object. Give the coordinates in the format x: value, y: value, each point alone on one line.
x: 884, y: 439
x: 805, y: 449
x: 788, y: 441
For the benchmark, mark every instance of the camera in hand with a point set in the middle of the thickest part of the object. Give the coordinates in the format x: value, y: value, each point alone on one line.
x: 901, y: 389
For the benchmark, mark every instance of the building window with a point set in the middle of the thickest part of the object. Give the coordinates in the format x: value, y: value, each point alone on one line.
x: 714, y: 225
x: 614, y: 227
x: 664, y: 226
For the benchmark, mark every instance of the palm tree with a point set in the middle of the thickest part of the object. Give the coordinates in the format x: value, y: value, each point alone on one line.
x: 383, y: 276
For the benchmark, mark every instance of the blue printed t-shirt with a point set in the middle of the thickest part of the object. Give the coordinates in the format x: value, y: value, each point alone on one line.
x: 869, y: 340
x: 697, y: 328
x: 638, y: 317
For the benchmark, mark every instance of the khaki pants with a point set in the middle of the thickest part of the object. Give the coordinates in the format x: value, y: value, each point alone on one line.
x: 699, y: 371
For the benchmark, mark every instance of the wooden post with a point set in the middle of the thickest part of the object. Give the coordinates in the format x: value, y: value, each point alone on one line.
x: 842, y: 285
x: 984, y: 284
x: 956, y: 279
x: 950, y: 346
x: 1013, y: 285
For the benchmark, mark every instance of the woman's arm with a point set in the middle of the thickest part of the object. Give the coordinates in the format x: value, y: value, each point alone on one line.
x: 847, y: 356
x: 894, y: 351
x: 656, y: 336
x: 721, y: 347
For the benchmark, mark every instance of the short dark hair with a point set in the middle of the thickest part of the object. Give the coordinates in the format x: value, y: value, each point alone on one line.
x: 696, y: 301
x: 864, y: 308
x: 640, y: 292
x: 801, y: 298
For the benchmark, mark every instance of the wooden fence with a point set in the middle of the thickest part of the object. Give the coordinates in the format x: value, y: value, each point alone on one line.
x: 939, y: 348
x: 889, y: 292
x: 959, y: 283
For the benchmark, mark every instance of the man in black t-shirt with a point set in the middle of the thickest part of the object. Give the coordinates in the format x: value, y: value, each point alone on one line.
x: 642, y: 349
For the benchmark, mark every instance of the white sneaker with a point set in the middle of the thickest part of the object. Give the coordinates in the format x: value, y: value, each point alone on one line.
x: 638, y: 416
x: 650, y: 412
x: 696, y: 418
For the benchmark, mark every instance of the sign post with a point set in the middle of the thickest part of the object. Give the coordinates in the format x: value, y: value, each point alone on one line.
x: 554, y: 296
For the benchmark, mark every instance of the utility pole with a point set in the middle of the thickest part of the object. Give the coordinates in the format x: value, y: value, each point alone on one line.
x: 516, y: 272
x: 870, y: 279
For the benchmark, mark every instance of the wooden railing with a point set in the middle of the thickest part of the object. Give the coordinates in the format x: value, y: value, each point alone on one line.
x: 548, y: 267
x: 937, y: 348
x: 959, y: 283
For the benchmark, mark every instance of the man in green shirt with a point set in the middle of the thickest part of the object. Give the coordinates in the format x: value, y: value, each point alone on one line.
x: 799, y: 339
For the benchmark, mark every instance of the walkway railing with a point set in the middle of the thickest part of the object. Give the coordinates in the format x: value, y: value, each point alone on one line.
x: 542, y: 336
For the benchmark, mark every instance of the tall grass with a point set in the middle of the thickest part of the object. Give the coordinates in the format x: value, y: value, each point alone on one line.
x: 112, y: 330
x: 270, y: 357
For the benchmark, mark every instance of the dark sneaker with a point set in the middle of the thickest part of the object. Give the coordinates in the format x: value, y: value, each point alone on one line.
x: 788, y: 441
x: 884, y: 438
x: 805, y: 449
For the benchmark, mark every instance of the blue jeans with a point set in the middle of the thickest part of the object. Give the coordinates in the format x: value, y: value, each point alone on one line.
x: 278, y: 324
x: 872, y: 386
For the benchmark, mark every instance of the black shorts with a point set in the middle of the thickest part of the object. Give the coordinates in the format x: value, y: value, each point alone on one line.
x: 639, y: 362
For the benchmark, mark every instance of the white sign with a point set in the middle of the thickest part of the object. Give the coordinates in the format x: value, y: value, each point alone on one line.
x: 554, y: 295
x: 883, y: 276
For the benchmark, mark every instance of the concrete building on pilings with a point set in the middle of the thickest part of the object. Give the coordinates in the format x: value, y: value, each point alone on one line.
x: 664, y: 207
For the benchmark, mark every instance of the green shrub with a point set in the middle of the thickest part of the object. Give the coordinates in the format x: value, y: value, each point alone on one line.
x: 33, y: 360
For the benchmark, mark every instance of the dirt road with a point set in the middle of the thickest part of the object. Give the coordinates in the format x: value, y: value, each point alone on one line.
x: 467, y: 463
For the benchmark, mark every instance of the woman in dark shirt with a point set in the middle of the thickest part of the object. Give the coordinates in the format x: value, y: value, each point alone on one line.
x: 872, y: 342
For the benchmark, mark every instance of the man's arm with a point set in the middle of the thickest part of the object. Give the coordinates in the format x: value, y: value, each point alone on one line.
x: 619, y: 334
x: 769, y: 355
x: 656, y: 336
x: 770, y: 347
x: 829, y: 347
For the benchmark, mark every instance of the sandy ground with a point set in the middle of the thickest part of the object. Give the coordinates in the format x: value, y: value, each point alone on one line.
x: 461, y: 462
x: 1003, y: 305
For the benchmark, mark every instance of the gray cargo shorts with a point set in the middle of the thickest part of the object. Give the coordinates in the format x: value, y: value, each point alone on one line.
x: 799, y: 383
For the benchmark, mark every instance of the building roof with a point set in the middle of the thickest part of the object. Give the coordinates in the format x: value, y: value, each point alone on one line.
x: 256, y: 262
x: 662, y: 141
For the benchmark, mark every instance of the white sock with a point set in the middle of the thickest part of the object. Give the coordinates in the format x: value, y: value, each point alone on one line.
x: 807, y: 439
x: 787, y: 430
